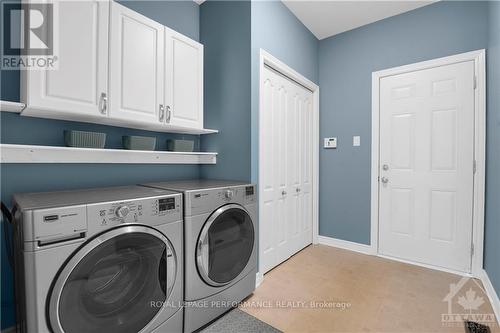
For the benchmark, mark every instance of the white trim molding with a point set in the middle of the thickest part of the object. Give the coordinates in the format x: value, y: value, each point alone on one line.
x: 492, y: 294
x: 479, y: 146
x: 10, y: 153
x: 346, y: 245
x: 266, y: 59
x: 8, y: 106
x: 259, y: 277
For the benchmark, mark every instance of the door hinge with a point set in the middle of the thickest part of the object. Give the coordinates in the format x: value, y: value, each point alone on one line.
x: 474, y: 167
x: 475, y: 82
x: 472, y: 249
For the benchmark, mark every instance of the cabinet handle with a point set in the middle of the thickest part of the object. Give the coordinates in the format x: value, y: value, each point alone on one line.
x: 169, y: 114
x: 162, y: 113
x: 103, y: 103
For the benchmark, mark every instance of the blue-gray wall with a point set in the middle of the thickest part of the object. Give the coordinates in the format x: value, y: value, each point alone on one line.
x: 346, y: 62
x: 225, y: 32
x: 276, y: 30
x: 492, y: 223
x: 182, y: 16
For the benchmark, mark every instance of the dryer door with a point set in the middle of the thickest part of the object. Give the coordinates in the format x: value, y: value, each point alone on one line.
x: 117, y: 282
x: 225, y: 245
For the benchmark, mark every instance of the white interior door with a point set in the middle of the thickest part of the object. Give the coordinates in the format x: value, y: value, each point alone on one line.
x: 136, y: 66
x: 81, y: 78
x: 426, y: 166
x: 285, y: 168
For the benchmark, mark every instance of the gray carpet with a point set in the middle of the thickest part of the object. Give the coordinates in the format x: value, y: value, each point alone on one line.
x: 237, y: 321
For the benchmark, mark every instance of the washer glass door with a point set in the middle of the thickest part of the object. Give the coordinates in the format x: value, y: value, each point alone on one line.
x: 225, y: 245
x: 116, y: 283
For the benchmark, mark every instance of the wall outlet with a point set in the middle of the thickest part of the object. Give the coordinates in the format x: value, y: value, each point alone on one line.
x: 356, y: 141
x: 330, y: 143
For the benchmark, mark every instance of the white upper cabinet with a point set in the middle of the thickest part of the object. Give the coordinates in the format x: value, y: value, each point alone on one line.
x: 184, y: 80
x: 136, y: 67
x: 118, y: 67
x: 78, y: 88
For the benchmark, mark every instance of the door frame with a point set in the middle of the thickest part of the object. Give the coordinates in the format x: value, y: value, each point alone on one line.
x: 266, y: 59
x: 478, y: 57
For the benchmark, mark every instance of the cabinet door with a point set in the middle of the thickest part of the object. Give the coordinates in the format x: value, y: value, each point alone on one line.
x: 136, y: 67
x: 77, y: 88
x: 184, y: 82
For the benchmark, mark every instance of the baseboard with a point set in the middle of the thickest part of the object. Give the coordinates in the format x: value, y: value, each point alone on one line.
x: 492, y: 295
x: 346, y: 245
x: 258, y: 279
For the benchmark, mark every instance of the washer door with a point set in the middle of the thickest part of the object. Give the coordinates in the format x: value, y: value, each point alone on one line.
x: 225, y: 245
x: 114, y: 283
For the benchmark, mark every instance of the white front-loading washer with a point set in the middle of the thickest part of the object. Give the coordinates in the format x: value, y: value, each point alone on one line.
x: 99, y: 260
x: 220, y: 246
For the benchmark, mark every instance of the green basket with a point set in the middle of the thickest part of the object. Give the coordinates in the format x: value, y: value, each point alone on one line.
x: 134, y: 142
x: 83, y: 139
x: 180, y: 145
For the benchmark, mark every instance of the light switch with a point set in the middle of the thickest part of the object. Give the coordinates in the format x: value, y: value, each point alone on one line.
x: 330, y: 143
x: 356, y: 141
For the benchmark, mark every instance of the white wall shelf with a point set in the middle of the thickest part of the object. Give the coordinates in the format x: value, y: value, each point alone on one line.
x: 12, y: 153
x: 9, y: 106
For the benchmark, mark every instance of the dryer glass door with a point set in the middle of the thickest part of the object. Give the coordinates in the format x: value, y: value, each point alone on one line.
x: 116, y: 283
x: 225, y: 245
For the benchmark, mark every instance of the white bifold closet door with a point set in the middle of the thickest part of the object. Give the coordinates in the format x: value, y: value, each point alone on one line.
x: 285, y: 167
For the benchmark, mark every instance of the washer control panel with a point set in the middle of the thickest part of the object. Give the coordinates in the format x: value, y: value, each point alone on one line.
x: 203, y: 201
x: 151, y: 211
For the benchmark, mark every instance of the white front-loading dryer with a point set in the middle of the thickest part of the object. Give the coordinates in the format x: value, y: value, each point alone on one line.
x: 220, y: 246
x: 100, y: 260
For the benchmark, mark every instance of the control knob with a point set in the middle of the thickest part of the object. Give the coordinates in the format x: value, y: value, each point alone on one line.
x: 122, y: 211
x: 229, y: 194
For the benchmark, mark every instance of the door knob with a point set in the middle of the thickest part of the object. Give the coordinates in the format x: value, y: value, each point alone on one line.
x: 283, y: 193
x: 385, y: 180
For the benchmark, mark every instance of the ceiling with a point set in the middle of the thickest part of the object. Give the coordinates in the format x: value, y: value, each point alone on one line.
x: 328, y: 18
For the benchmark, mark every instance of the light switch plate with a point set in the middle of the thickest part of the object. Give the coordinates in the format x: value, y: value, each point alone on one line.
x: 330, y: 143
x: 356, y: 141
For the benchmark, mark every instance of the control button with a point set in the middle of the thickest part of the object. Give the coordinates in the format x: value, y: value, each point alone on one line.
x: 229, y: 194
x: 122, y: 211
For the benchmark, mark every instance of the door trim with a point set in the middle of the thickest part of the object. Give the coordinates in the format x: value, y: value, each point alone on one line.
x: 267, y: 60
x: 479, y: 148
